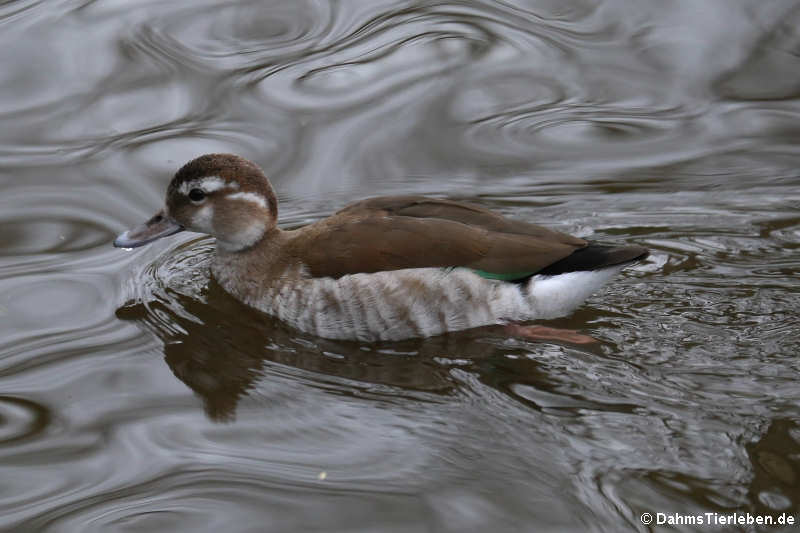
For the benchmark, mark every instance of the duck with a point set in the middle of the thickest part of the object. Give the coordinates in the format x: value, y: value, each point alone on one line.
x: 387, y: 268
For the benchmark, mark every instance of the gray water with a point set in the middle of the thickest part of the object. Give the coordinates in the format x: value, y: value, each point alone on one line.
x: 135, y: 395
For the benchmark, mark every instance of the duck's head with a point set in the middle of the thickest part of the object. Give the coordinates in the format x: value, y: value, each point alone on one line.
x: 222, y: 195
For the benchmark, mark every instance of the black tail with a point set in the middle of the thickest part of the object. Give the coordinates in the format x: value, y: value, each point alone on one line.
x: 594, y: 257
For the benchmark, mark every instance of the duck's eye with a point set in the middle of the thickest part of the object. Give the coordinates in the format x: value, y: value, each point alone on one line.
x: 197, y: 195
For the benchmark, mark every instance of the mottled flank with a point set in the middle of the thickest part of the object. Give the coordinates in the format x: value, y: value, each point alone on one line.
x: 408, y: 303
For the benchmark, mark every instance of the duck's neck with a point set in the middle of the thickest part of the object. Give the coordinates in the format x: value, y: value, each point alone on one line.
x: 243, y: 247
x: 254, y: 268
x: 243, y: 237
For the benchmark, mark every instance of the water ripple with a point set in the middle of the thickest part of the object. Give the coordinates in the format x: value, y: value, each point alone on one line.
x: 20, y: 419
x: 49, y: 220
x: 239, y: 36
x: 164, y: 404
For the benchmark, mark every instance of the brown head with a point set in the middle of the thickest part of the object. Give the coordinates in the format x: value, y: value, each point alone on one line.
x: 222, y: 195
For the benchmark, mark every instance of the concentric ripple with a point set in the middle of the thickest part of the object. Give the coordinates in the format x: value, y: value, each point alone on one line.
x: 48, y: 221
x: 242, y: 35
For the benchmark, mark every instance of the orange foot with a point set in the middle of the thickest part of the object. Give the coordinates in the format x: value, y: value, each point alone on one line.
x: 541, y: 333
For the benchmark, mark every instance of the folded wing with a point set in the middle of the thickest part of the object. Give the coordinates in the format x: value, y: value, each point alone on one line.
x: 396, y: 232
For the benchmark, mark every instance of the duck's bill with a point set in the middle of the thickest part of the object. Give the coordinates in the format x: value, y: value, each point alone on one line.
x: 159, y: 226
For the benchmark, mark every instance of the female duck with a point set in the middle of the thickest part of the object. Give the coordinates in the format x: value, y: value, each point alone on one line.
x: 387, y: 268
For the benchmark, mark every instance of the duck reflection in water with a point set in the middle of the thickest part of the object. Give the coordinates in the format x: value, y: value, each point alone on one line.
x: 227, y: 361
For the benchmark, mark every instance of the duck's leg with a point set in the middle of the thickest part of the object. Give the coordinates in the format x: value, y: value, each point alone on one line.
x: 542, y: 333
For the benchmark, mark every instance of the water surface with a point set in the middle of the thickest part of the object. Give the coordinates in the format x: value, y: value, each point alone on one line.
x: 135, y: 395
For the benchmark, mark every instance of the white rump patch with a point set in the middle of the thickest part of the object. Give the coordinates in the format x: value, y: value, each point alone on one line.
x: 249, y: 197
x: 555, y: 296
x: 207, y: 185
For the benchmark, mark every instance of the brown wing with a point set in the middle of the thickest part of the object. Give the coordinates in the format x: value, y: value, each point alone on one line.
x: 394, y: 232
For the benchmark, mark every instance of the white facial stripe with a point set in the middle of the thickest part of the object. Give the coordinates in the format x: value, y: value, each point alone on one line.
x: 249, y: 197
x: 207, y: 185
